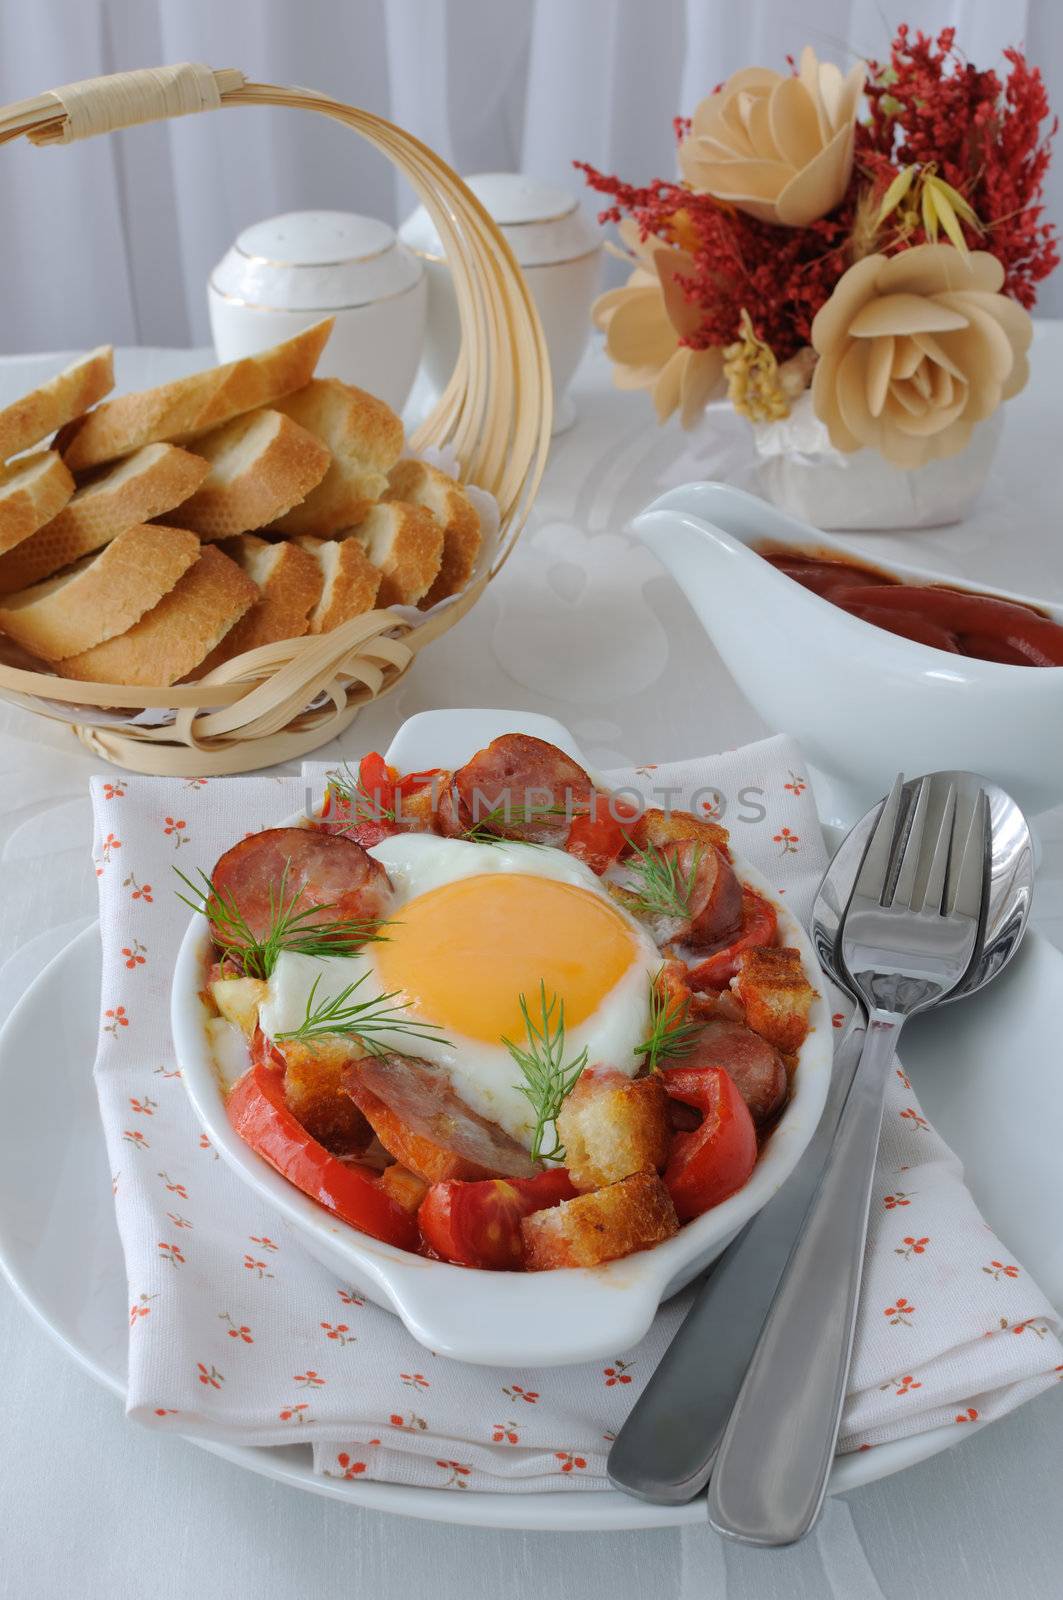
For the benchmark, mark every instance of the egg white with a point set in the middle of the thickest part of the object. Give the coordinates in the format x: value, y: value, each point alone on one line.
x: 485, y: 1075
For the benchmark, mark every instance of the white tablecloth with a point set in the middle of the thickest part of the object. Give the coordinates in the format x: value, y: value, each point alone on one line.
x: 90, y: 1504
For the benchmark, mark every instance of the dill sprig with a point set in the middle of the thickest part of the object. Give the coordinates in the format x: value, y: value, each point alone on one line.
x: 360, y: 1019
x: 662, y: 889
x: 305, y: 932
x: 365, y: 807
x: 548, y: 1078
x: 672, y: 1031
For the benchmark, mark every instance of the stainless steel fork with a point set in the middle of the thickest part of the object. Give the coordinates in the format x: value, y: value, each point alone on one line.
x: 906, y: 941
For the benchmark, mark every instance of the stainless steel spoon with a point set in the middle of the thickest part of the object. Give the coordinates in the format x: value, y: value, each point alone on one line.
x: 665, y: 1451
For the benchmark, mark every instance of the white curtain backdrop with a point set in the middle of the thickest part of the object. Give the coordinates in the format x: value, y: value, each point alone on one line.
x: 113, y: 240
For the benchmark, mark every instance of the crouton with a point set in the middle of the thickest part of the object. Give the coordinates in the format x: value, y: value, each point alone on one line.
x: 315, y: 1095
x: 655, y: 827
x: 772, y: 987
x: 404, y: 1186
x: 238, y: 1000
x: 603, y: 1226
x: 612, y: 1126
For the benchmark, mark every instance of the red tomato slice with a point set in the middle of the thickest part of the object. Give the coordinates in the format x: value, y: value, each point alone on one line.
x: 416, y: 780
x: 258, y: 1112
x: 478, y: 1224
x: 597, y: 838
x: 715, y: 1159
x: 760, y: 925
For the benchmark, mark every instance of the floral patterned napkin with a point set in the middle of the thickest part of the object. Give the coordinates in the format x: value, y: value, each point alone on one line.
x: 237, y: 1334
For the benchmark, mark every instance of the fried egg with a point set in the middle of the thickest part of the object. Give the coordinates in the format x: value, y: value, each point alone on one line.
x: 471, y: 928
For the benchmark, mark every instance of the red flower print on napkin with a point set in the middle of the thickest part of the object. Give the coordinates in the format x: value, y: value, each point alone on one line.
x: 236, y: 1330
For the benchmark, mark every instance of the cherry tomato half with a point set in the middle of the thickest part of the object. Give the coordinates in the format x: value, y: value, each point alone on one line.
x: 715, y: 1159
x: 478, y: 1224
x: 260, y: 1115
x: 597, y: 837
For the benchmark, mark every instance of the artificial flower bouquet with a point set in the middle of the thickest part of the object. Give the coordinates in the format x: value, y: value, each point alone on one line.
x: 876, y: 237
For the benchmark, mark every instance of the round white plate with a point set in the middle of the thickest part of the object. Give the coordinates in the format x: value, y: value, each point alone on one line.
x: 985, y: 1072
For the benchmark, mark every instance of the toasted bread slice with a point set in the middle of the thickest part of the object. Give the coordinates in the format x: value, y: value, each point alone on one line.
x: 32, y: 492
x: 365, y: 438
x: 260, y: 465
x: 777, y: 996
x: 152, y: 481
x: 59, y: 401
x: 612, y: 1126
x: 289, y: 584
x: 612, y: 1222
x: 172, y: 638
x: 406, y: 543
x: 418, y: 484
x: 350, y: 582
x: 180, y: 410
x: 103, y: 595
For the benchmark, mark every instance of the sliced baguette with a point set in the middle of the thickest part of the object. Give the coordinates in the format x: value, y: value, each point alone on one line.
x: 406, y: 543
x: 101, y: 596
x: 32, y: 491
x: 421, y: 485
x: 145, y: 485
x: 260, y: 465
x: 289, y: 583
x: 350, y: 582
x: 365, y: 438
x: 59, y: 401
x: 188, y: 406
x: 173, y: 637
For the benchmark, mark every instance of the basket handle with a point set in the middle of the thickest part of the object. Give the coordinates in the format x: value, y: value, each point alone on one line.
x: 126, y: 99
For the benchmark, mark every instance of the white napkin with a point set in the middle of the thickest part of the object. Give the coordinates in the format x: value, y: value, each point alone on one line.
x: 236, y: 1333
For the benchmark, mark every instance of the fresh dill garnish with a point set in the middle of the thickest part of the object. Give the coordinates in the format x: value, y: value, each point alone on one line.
x: 364, y: 806
x: 672, y: 1032
x: 361, y: 1019
x: 662, y: 889
x: 548, y: 1078
x: 306, y: 932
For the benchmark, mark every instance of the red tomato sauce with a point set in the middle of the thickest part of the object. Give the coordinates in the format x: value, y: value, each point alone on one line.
x: 955, y: 620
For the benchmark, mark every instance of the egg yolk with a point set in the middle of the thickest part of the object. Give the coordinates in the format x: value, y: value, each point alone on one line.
x: 463, y: 954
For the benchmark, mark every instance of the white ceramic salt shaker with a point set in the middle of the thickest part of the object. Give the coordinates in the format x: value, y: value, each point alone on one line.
x: 287, y: 272
x: 559, y: 251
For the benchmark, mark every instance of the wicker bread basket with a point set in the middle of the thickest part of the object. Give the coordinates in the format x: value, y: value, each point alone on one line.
x: 277, y: 702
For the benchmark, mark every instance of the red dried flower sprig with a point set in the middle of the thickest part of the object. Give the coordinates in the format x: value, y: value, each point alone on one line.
x: 929, y: 105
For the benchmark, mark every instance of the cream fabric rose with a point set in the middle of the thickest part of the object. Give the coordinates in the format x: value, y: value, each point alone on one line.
x: 780, y: 148
x: 643, y: 323
x: 914, y: 349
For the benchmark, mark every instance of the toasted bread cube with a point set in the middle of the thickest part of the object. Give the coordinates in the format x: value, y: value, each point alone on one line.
x: 314, y: 1092
x: 659, y: 828
x: 603, y: 1226
x: 777, y: 996
x: 612, y: 1126
x: 238, y: 1000
x: 404, y: 1186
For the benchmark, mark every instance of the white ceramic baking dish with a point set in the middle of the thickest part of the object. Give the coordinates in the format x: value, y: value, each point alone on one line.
x: 517, y: 1319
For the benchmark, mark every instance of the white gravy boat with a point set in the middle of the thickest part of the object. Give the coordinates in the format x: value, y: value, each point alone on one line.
x: 863, y: 703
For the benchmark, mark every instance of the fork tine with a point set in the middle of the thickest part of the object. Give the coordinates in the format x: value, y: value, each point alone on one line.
x: 967, y: 871
x: 873, y: 876
x: 934, y: 893
x: 904, y: 886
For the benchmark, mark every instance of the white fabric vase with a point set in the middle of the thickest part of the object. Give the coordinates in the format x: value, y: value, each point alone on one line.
x: 799, y: 470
